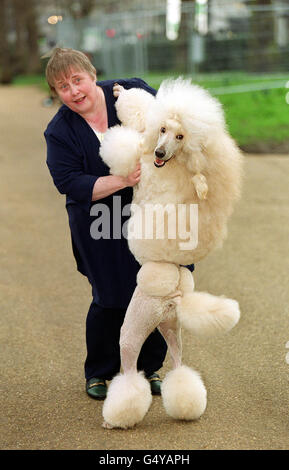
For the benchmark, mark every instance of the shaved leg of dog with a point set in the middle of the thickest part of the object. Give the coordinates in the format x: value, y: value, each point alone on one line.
x: 129, y: 395
x: 143, y: 315
x: 170, y: 329
x: 183, y: 392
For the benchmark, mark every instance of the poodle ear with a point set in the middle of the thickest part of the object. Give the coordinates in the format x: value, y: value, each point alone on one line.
x: 151, y: 136
x: 152, y: 127
x: 194, y: 156
x: 214, y: 155
x: 224, y: 158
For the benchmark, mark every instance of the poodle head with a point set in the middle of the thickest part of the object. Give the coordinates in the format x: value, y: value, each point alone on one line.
x: 170, y: 141
x: 182, y: 119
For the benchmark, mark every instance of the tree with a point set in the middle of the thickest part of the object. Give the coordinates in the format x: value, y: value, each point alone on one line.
x: 6, y: 73
x: 26, y: 53
x: 261, y: 53
x: 33, y: 59
x: 78, y: 8
x: 19, y: 53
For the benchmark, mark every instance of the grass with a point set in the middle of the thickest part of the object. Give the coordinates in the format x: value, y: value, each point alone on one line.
x: 257, y: 116
x: 23, y: 80
x: 220, y: 79
x: 253, y: 117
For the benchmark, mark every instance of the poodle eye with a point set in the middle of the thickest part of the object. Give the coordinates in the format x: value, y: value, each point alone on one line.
x: 163, y: 130
x: 179, y: 136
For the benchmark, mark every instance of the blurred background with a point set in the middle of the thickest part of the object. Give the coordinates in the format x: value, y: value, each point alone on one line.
x: 239, y: 50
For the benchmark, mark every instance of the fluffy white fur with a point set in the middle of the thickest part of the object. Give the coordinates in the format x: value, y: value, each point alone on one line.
x: 134, y: 116
x: 204, y: 314
x: 167, y: 276
x: 187, y: 157
x: 128, y: 400
x: 205, y: 168
x: 122, y: 162
x: 184, y: 394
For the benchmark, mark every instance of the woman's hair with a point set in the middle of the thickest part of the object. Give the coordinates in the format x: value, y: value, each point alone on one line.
x: 60, y: 62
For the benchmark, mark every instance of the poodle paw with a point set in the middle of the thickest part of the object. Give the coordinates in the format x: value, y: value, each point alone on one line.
x: 117, y: 89
x: 201, y: 186
x: 127, y: 402
x: 184, y: 394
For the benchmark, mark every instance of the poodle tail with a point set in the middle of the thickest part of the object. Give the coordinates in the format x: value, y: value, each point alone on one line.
x: 204, y: 314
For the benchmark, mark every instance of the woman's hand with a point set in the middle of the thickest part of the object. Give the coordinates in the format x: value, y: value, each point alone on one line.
x: 134, y: 177
x: 107, y: 185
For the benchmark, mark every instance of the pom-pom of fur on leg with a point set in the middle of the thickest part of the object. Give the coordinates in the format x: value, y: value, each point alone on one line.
x: 158, y: 279
x: 132, y: 107
x: 128, y: 400
x: 121, y: 150
x: 205, y: 314
x: 184, y: 394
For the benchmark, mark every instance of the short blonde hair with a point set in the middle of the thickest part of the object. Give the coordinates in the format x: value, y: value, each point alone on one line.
x: 60, y: 62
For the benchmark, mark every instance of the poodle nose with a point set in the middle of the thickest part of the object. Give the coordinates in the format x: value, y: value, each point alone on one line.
x: 160, y: 152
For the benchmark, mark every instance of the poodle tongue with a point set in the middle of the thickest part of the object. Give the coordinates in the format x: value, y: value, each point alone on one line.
x: 158, y: 163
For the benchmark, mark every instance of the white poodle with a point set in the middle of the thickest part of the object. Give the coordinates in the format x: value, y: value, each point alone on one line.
x: 190, y: 179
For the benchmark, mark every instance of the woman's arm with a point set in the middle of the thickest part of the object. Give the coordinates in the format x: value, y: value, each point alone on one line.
x: 106, y: 185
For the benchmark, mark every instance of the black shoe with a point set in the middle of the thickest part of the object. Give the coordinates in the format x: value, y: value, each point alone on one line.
x: 155, y: 383
x: 96, y: 388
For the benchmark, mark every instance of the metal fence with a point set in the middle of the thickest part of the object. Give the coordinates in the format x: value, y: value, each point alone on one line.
x: 241, y: 36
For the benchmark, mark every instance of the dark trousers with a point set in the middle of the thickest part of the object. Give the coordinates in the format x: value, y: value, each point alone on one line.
x: 102, y: 341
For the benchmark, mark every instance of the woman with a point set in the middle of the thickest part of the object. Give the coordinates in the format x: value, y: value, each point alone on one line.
x: 73, y: 138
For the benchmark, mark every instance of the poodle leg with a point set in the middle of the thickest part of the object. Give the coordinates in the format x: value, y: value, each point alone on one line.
x: 183, y: 392
x: 170, y: 329
x: 117, y: 89
x: 129, y: 395
x: 167, y: 275
x: 132, y: 106
x: 121, y: 150
x: 143, y: 315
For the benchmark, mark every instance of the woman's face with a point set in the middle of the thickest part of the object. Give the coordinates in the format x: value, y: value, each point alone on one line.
x: 78, y: 91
